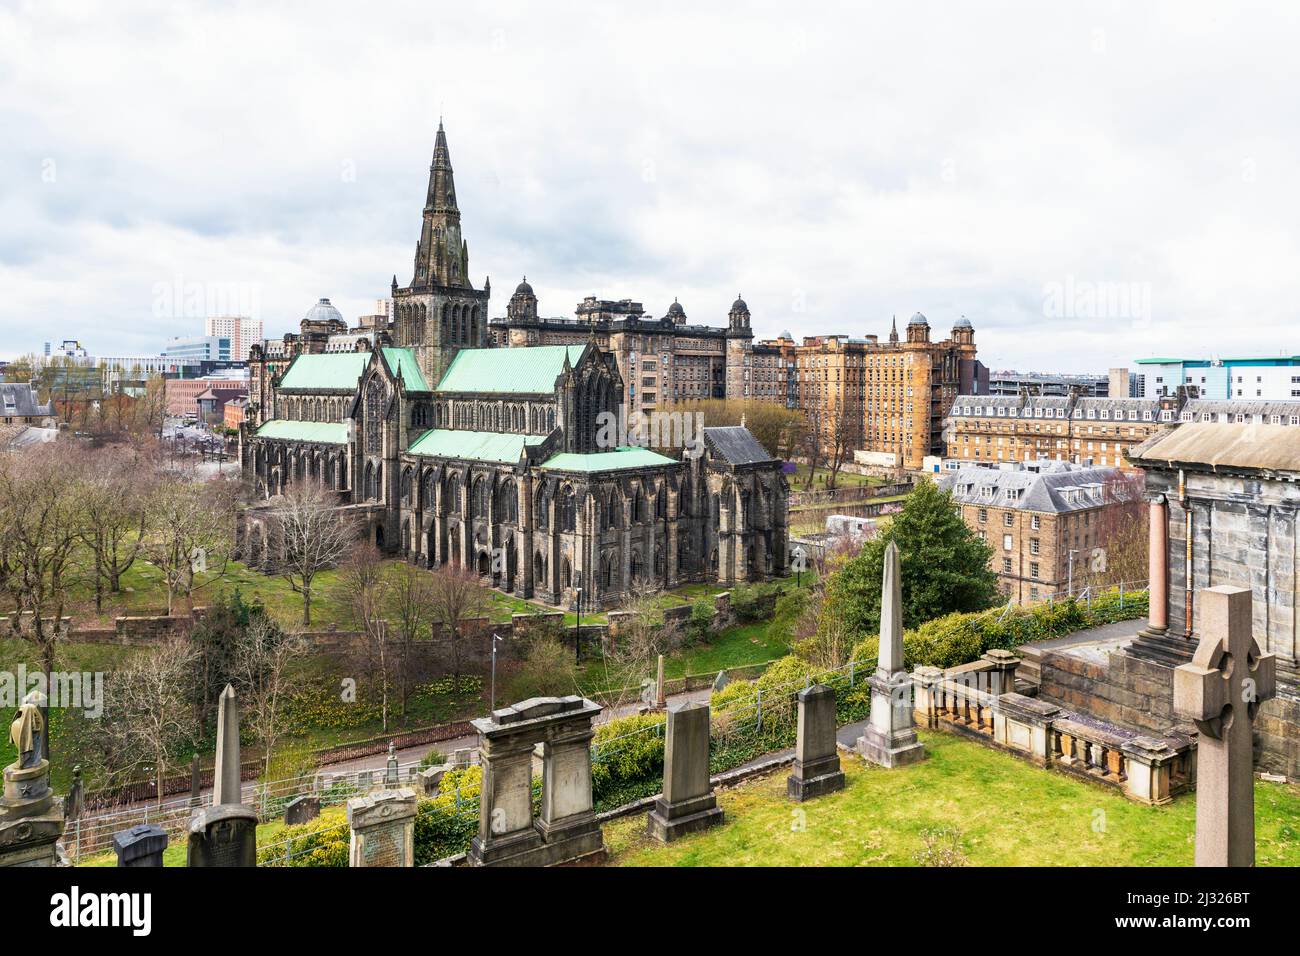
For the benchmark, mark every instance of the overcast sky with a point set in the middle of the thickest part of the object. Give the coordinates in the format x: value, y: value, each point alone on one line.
x: 1088, y: 183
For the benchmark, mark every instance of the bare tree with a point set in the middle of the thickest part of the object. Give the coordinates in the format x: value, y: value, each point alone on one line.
x: 362, y: 582
x: 631, y: 653
x: 307, y: 533
x: 843, y: 436
x: 114, y: 496
x: 1120, y: 535
x: 40, y: 523
x: 190, y: 530
x: 457, y: 597
x: 411, y: 602
x: 263, y: 655
x: 151, y: 713
x: 812, y: 440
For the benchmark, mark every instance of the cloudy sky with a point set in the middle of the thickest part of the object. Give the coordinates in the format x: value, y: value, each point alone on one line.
x: 1088, y: 183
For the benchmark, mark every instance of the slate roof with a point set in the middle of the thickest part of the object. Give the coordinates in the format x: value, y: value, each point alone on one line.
x: 1055, y: 491
x: 530, y: 370
x: 735, y: 445
x: 18, y: 400
x: 285, y: 429
x: 618, y: 460
x: 1259, y: 411
x: 502, y: 447
x: 1224, y: 445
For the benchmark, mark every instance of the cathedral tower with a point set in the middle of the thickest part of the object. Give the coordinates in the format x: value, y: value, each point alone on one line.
x: 440, y: 311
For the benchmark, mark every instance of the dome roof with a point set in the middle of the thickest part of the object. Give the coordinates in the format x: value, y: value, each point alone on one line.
x: 524, y: 288
x: 676, y: 308
x: 739, y: 305
x: 322, y: 311
x: 918, y: 319
x: 963, y: 323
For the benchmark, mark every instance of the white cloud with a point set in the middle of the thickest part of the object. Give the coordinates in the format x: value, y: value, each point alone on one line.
x: 836, y: 164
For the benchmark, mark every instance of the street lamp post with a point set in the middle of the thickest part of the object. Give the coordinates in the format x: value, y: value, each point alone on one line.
x: 495, y: 639
x: 577, y: 632
x: 1069, y: 579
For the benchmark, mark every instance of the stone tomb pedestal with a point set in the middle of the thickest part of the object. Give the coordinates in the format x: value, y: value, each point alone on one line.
x: 566, y: 829
x: 31, y: 818
x: 383, y: 828
x: 223, y: 835
x: 140, y: 846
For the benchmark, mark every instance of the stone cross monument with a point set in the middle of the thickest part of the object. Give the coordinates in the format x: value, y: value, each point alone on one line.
x: 1221, y: 690
x: 890, y: 739
x: 224, y: 834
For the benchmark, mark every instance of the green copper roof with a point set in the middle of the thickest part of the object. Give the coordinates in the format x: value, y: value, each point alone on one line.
x: 528, y: 370
x: 402, y: 362
x: 628, y: 457
x: 473, y: 446
x: 333, y: 433
x: 326, y: 370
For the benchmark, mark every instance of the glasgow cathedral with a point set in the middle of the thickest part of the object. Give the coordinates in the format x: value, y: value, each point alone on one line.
x: 448, y: 450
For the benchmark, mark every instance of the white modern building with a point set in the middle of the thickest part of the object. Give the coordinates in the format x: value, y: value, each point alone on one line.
x: 1267, y: 378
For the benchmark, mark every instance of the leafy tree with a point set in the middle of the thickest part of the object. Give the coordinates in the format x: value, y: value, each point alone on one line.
x: 943, y: 564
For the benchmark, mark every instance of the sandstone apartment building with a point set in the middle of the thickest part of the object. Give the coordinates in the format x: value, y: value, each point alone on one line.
x: 1042, y: 519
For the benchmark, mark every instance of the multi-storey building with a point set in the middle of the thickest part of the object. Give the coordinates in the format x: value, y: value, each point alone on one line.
x: 1007, y: 382
x: 1260, y: 378
x: 240, y: 331
x: 1042, y: 521
x: 890, y: 397
x: 1098, y: 431
x: 660, y: 360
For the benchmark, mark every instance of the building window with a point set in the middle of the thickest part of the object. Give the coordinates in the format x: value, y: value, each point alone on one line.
x: 1033, y: 569
x: 1006, y: 542
x: 1035, y: 522
x: 1033, y: 545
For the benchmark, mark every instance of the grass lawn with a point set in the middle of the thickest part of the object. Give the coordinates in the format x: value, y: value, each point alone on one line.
x: 843, y: 480
x: 1004, y: 811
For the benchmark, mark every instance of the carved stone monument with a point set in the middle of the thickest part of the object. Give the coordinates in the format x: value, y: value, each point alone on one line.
x: 816, y: 754
x: 687, y: 804
x: 1221, y: 690
x: 890, y: 738
x: 31, y: 816
x: 391, y: 775
x: 140, y: 846
x: 383, y: 828
x: 566, y: 829
x: 224, y: 834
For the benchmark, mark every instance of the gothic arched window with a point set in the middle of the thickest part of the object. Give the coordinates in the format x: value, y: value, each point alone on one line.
x: 374, y: 417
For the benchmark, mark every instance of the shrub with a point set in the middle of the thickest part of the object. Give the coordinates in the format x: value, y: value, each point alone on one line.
x: 627, y: 751
x: 753, y: 602
x: 547, y: 670
x: 700, y: 623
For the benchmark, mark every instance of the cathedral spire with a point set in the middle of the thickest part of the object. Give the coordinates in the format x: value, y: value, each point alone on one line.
x: 442, y: 256
x: 442, y: 186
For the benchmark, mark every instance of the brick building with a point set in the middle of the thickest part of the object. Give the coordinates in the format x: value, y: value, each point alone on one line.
x: 1043, y: 521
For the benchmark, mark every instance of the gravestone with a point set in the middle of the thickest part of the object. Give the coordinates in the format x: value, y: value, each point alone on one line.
x: 31, y: 816
x: 816, y: 753
x: 431, y: 778
x: 391, y: 777
x: 365, y: 780
x: 890, y: 738
x: 1221, y: 690
x: 687, y: 804
x: 140, y: 846
x: 224, y: 834
x: 566, y: 829
x: 302, y: 809
x: 721, y: 681
x: 383, y: 828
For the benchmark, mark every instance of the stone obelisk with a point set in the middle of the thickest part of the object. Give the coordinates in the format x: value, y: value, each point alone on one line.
x: 224, y: 834
x: 890, y: 738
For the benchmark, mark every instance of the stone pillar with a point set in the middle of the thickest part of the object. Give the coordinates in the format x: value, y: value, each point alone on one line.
x: 816, y: 754
x: 567, y: 829
x: 890, y: 739
x: 383, y: 829
x: 140, y: 846
x: 687, y: 804
x: 1148, y: 767
x: 524, y: 583
x: 31, y: 816
x: 1001, y: 672
x: 1221, y: 690
x: 1158, y: 567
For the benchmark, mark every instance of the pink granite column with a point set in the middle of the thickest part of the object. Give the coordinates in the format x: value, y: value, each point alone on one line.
x: 1158, y: 566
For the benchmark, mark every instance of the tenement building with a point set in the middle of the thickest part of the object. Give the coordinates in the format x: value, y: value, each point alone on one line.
x: 1027, y: 427
x: 887, y: 398
x: 505, y: 460
x: 1042, y: 521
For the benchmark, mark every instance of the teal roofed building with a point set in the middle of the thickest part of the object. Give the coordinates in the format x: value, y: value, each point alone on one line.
x: 515, y: 462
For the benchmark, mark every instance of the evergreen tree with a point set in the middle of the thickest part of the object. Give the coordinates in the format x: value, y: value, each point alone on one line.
x: 943, y: 564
